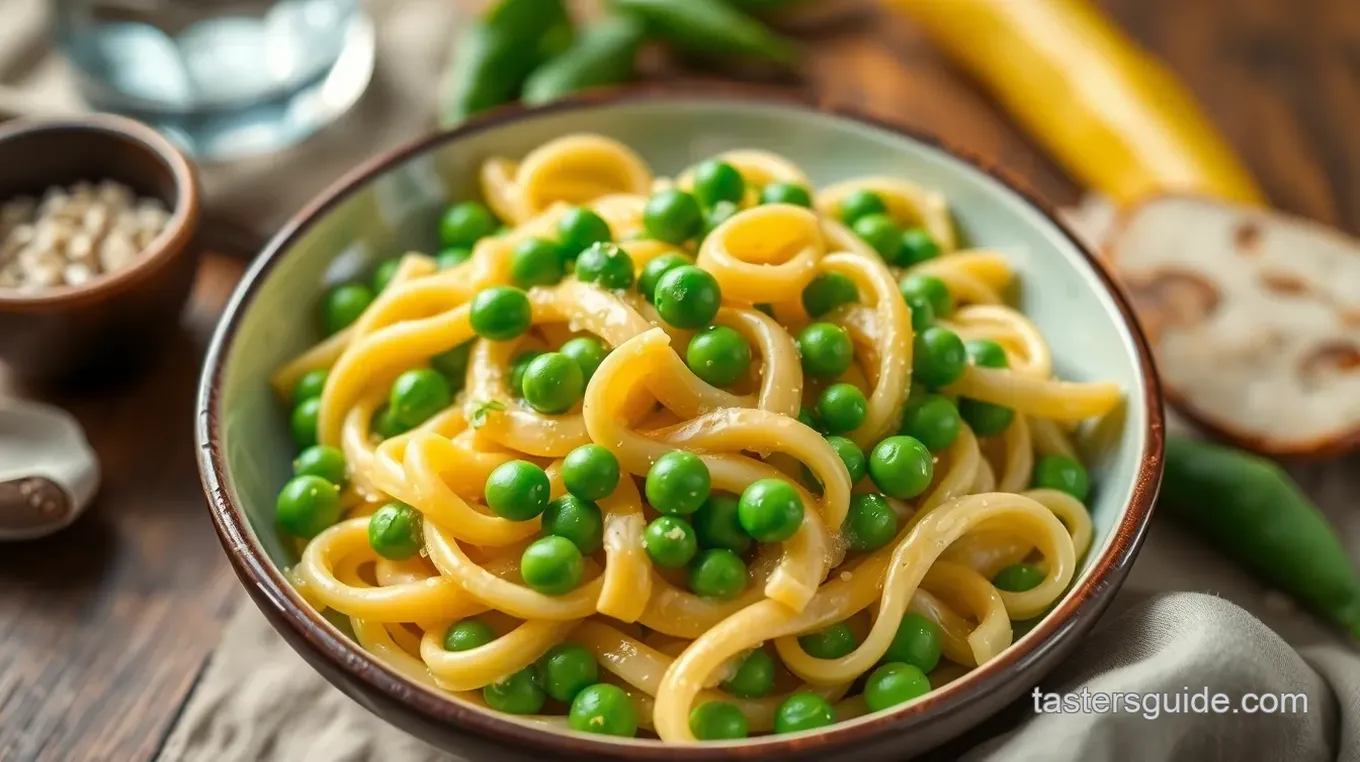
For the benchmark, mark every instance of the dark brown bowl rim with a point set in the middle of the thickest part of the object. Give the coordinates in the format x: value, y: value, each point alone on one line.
x: 172, y: 241
x: 256, y: 570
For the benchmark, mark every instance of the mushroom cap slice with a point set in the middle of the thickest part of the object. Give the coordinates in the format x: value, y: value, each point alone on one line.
x: 1254, y: 318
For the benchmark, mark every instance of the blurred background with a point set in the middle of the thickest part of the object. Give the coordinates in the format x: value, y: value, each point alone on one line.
x: 237, y: 80
x: 104, y: 627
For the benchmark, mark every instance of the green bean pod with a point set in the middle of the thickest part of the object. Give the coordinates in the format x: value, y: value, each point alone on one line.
x: 1250, y: 508
x: 604, y: 54
x: 496, y: 54
x: 710, y: 27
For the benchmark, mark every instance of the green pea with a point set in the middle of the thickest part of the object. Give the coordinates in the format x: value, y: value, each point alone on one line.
x: 825, y: 349
x: 916, y: 642
x: 717, y: 721
x: 716, y: 180
x: 986, y: 353
x: 307, y: 505
x: 985, y: 418
x: 466, y: 223
x: 770, y: 510
x: 670, y: 542
x: 901, y: 467
x: 321, y: 460
x: 716, y: 525
x: 382, y: 275
x: 673, y: 216
x: 879, y: 232
x: 850, y: 454
x: 418, y: 394
x: 830, y: 642
x: 717, y: 573
x: 304, y: 422
x: 552, y: 565
x: 1062, y: 472
x: 500, y: 313
x: 568, y: 669
x: 808, y: 417
x: 580, y: 228
x: 753, y: 678
x: 657, y: 267
x: 344, y: 304
x: 687, y: 297
x: 517, y: 490
x: 553, y: 383
x: 933, y: 289
x: 933, y: 420
x: 536, y: 262
x: 786, y: 193
x: 577, y: 520
x: 894, y: 683
x: 453, y: 364
x: 719, y: 355
x: 803, y: 711
x: 467, y: 635
x: 870, y: 524
x: 1017, y: 578
x: 863, y: 203
x: 922, y: 314
x: 587, y: 351
x: 605, y: 264
x: 394, y: 531
x: 718, y: 214
x: 452, y: 257
x: 517, y: 368
x: 590, y: 472
x: 917, y: 246
x: 311, y: 384
x: 384, y: 424
x: 828, y: 291
x: 677, y: 483
x: 842, y: 407
x: 938, y: 357
x: 520, y: 693
x: 604, y: 709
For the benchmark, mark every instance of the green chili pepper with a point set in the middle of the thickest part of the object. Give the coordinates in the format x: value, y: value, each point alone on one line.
x: 602, y: 55
x: 710, y: 27
x: 1254, y: 512
x: 499, y: 51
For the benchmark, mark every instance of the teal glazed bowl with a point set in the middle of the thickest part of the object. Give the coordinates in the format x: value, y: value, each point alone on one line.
x: 392, y: 204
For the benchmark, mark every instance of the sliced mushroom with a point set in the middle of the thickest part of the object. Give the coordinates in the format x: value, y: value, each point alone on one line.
x: 1252, y: 317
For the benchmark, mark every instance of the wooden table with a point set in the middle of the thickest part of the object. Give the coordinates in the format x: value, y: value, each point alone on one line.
x: 104, y: 627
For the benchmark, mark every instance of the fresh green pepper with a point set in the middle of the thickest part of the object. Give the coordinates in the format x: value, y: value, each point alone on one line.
x: 1254, y: 512
x: 710, y: 27
x: 602, y: 55
x: 496, y: 54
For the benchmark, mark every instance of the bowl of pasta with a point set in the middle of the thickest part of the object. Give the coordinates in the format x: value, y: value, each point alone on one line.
x: 679, y: 426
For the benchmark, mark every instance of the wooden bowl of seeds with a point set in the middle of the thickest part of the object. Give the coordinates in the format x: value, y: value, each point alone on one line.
x: 97, y: 217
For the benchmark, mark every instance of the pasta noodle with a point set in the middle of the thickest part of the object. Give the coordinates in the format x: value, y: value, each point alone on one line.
x: 700, y: 482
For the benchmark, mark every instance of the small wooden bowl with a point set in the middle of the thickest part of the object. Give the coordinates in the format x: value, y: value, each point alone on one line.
x: 112, y: 321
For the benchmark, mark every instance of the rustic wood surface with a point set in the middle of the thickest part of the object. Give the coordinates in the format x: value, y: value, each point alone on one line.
x: 104, y: 627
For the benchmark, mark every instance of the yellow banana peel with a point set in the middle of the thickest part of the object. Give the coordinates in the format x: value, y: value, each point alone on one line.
x: 1113, y: 116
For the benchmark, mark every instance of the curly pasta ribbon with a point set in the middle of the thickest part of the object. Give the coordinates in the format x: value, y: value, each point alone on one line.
x: 665, y: 646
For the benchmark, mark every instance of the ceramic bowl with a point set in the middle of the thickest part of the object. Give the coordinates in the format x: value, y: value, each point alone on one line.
x: 391, y: 205
x: 111, y: 321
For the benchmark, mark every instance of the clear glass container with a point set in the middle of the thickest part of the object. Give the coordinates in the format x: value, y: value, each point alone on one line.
x: 225, y: 78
